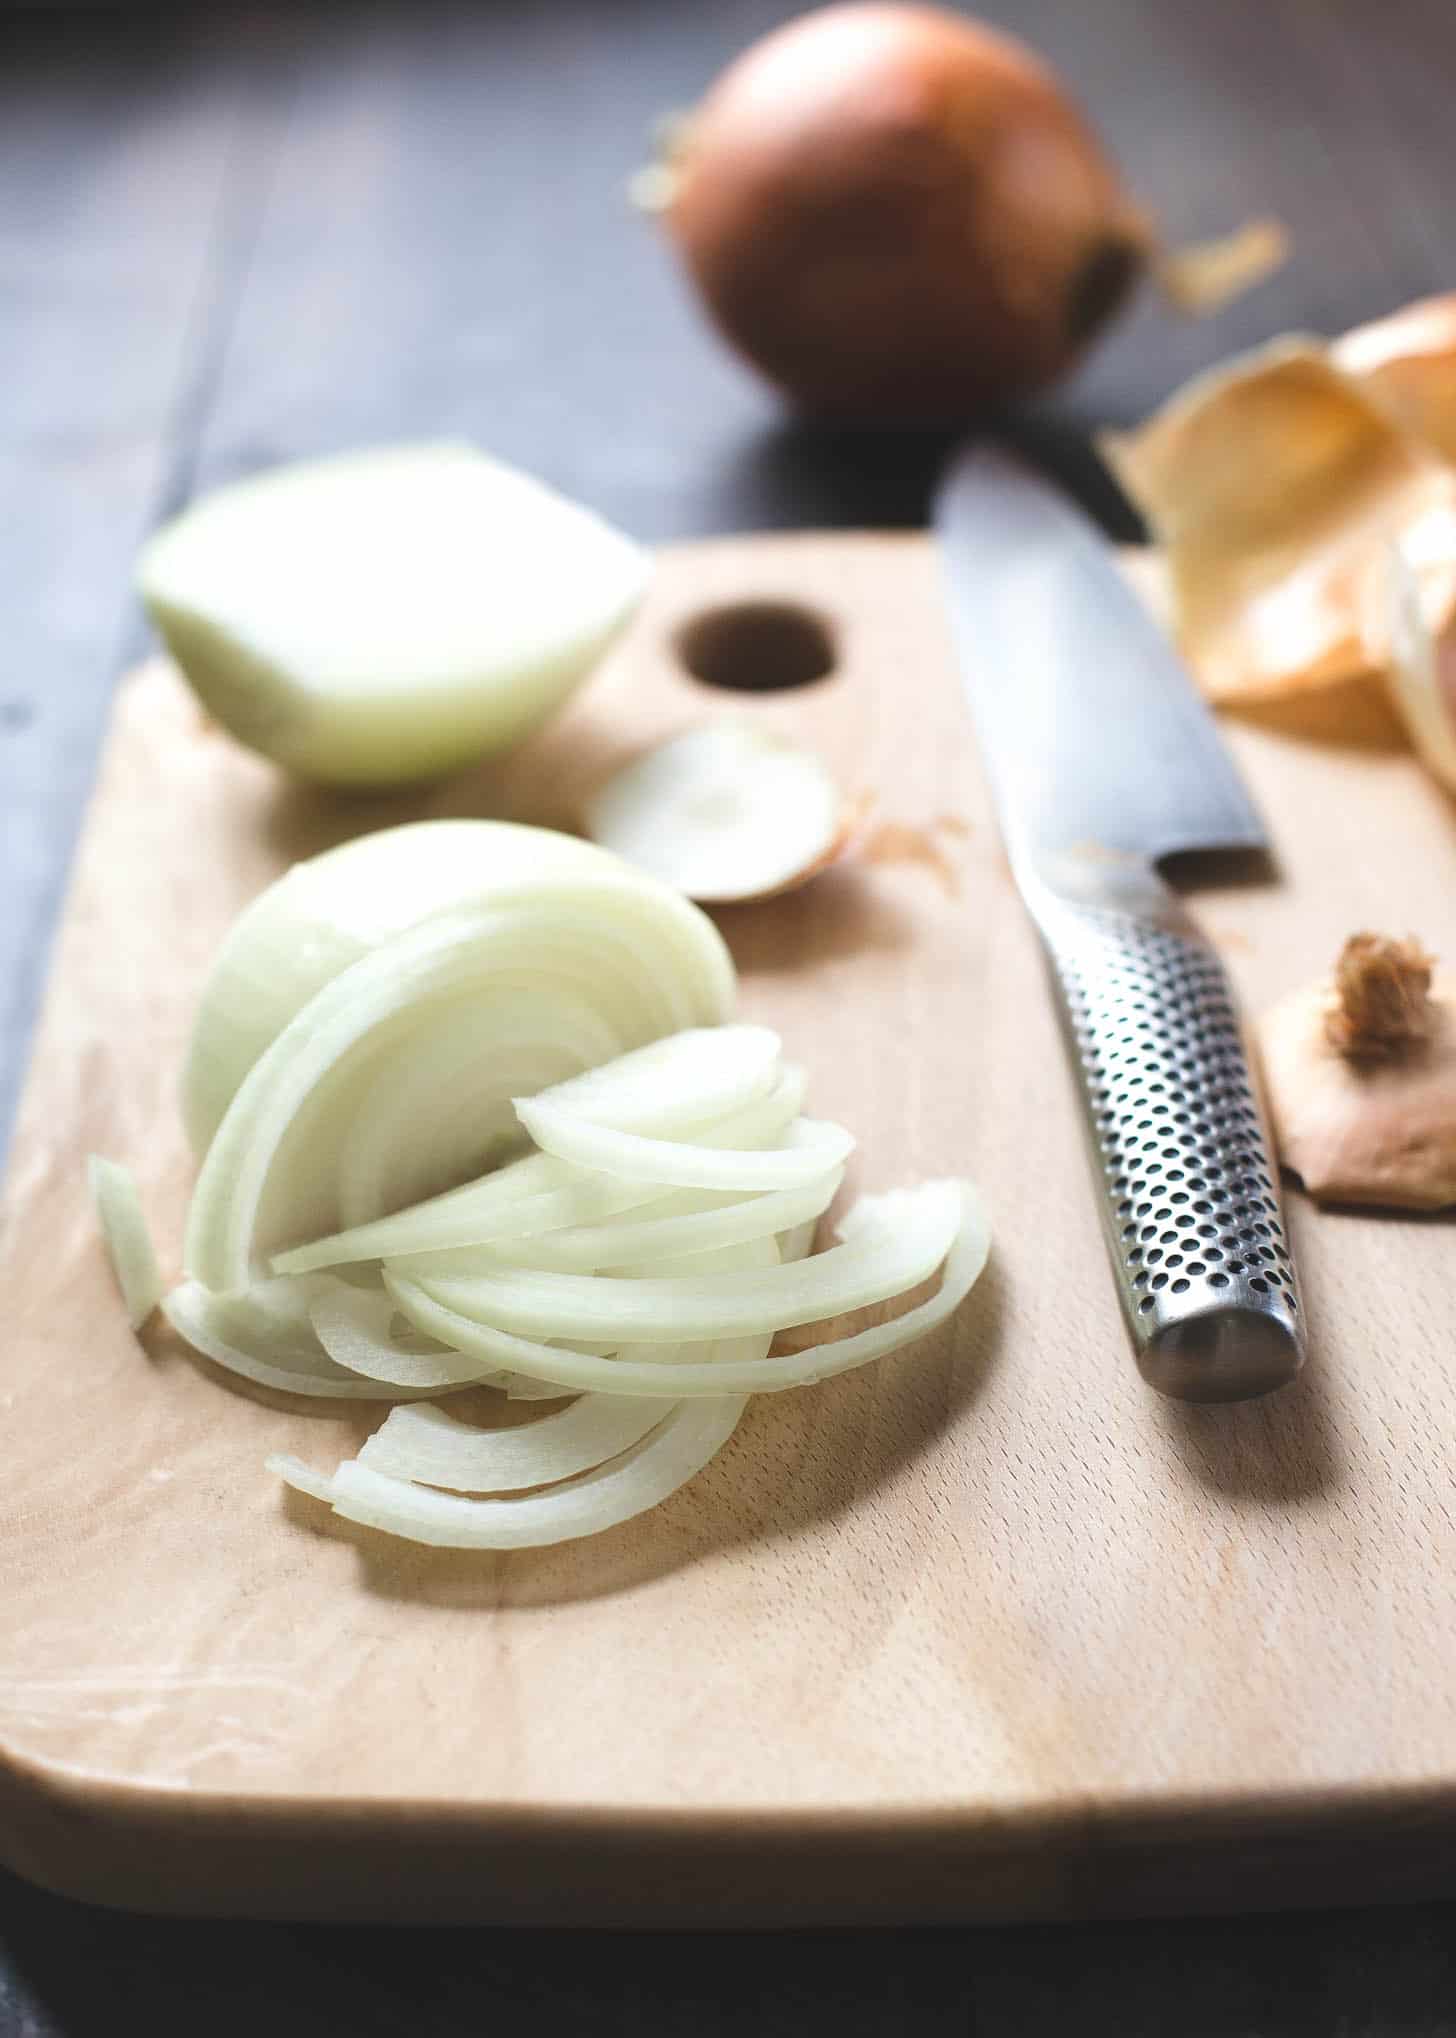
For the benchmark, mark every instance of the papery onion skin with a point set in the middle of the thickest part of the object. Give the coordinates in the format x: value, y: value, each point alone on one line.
x: 898, y: 214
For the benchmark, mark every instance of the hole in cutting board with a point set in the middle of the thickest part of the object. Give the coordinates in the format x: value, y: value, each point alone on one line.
x: 757, y: 646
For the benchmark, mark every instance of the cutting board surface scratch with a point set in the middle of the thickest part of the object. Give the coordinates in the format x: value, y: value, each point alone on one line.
x: 990, y: 1605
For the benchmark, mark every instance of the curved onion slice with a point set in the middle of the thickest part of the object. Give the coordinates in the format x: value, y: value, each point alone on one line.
x: 284, y: 1127
x: 905, y: 1245
x: 323, y: 915
x: 876, y: 1223
x: 355, y: 1327
x: 725, y: 811
x: 437, y: 1449
x: 128, y: 1241
x: 265, y: 1335
x: 587, y: 1248
x: 666, y: 1458
x: 818, y: 1147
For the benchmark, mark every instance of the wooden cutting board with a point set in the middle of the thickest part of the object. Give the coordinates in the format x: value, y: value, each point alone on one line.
x: 987, y: 1630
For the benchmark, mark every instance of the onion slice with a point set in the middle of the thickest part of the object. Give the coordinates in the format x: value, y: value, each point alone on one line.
x: 817, y: 1148
x: 437, y: 1449
x: 128, y: 1241
x: 725, y: 811
x: 356, y: 1329
x: 666, y: 1458
x: 876, y: 1225
x: 264, y: 1335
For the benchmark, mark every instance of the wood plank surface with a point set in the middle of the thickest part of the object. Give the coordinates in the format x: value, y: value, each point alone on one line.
x: 992, y: 1608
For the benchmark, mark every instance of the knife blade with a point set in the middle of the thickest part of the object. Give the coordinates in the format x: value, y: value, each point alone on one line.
x: 1102, y: 761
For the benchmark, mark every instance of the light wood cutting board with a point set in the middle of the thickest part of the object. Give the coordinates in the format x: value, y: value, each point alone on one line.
x: 987, y: 1630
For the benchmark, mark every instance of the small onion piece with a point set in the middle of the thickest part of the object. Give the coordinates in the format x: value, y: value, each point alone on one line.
x: 128, y: 1241
x: 725, y: 811
x: 356, y: 1328
x: 264, y: 1335
x: 434, y: 1447
x: 817, y: 1148
x: 666, y: 1458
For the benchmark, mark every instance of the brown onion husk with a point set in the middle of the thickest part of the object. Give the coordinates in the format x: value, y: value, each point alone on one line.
x: 898, y: 215
x: 1276, y: 488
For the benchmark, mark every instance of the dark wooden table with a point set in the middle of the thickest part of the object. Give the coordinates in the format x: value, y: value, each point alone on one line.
x: 231, y: 236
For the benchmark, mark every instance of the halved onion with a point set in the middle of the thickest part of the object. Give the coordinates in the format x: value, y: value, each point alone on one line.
x: 128, y: 1241
x: 390, y: 614
x: 724, y: 811
x: 666, y: 1458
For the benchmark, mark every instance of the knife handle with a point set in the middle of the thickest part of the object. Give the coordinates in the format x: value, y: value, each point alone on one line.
x: 1188, y: 1189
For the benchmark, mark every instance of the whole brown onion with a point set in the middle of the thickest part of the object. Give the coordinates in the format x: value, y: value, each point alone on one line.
x: 897, y: 214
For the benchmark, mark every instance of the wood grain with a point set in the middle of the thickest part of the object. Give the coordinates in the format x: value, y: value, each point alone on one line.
x: 986, y: 1630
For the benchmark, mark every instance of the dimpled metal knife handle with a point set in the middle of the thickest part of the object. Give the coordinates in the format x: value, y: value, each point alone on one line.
x: 1187, y: 1186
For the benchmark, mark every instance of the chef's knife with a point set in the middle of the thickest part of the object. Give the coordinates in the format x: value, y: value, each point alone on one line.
x: 1102, y: 761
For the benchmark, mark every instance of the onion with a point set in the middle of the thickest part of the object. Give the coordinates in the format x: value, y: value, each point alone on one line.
x: 434, y: 1447
x: 329, y: 912
x: 723, y: 812
x: 128, y: 1241
x: 387, y: 615
x: 897, y: 213
x: 644, y: 1255
x: 666, y: 1458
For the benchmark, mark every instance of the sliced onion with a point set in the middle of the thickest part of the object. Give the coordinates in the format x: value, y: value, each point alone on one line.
x: 271, y: 1171
x: 687, y: 1080
x: 874, y: 1223
x: 708, y: 1222
x: 128, y: 1241
x: 666, y: 1458
x: 437, y: 1449
x: 324, y: 914
x: 903, y: 1245
x: 725, y: 811
x: 264, y: 1335
x: 818, y: 1147
x: 356, y: 1328
x: 537, y: 1193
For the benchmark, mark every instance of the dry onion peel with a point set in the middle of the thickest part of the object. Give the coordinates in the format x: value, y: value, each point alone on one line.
x: 1408, y: 362
x: 1276, y: 486
x: 128, y: 1240
x: 724, y: 811
x: 666, y: 1458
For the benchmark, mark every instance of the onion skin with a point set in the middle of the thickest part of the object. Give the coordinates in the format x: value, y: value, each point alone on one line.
x: 898, y: 216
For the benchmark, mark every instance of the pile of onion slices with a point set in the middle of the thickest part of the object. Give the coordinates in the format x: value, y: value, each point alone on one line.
x: 639, y: 1232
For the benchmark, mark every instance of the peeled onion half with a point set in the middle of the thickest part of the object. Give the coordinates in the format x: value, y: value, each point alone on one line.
x: 387, y: 615
x: 723, y: 812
